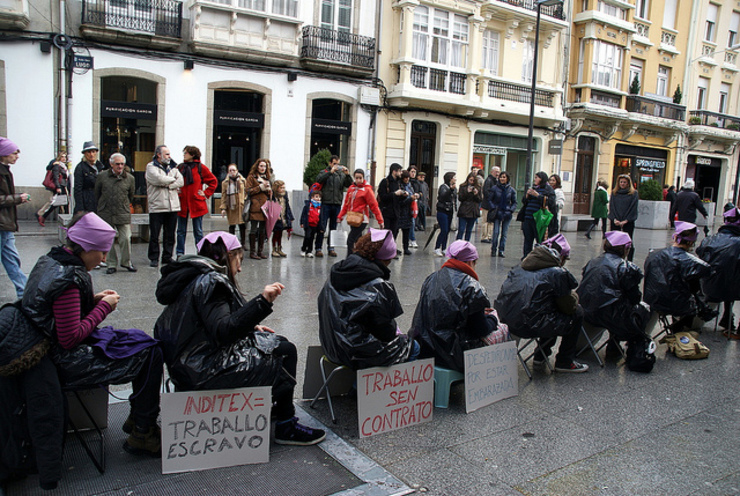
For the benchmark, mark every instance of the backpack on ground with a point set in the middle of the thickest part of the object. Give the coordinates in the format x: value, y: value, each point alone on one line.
x: 685, y: 346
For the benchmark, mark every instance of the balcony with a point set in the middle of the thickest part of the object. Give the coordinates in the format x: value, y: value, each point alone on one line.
x: 521, y: 94
x: 14, y: 14
x: 554, y: 11
x: 438, y: 80
x: 149, y: 23
x: 337, y: 51
x: 656, y: 108
x: 714, y: 119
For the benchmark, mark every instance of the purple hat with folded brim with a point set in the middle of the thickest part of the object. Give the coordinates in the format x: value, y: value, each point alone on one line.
x: 463, y: 251
x: 683, y: 231
x: 7, y: 147
x: 230, y: 241
x: 732, y: 216
x: 618, y: 238
x: 92, y: 233
x: 562, y: 244
x: 388, y: 250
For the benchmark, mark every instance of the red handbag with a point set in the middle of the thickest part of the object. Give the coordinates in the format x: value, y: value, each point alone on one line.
x: 49, y: 181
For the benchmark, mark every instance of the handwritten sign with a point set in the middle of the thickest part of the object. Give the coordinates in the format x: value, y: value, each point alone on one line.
x: 490, y: 375
x: 216, y: 428
x: 390, y: 398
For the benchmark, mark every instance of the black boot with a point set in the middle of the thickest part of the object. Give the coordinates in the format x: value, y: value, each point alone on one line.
x: 252, y: 243
x: 590, y: 228
x: 260, y: 245
x: 242, y: 235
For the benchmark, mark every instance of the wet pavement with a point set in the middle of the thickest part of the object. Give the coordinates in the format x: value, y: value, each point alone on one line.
x: 607, y: 432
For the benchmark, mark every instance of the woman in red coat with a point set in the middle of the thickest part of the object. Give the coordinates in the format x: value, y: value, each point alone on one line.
x: 200, y: 184
x: 259, y: 189
x: 360, y: 198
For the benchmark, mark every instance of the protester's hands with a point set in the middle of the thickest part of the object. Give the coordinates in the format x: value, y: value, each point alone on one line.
x: 110, y: 297
x: 272, y: 291
x: 261, y: 328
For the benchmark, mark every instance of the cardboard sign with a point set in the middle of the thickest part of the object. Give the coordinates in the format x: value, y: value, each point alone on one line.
x: 390, y: 398
x: 491, y: 374
x: 217, y: 428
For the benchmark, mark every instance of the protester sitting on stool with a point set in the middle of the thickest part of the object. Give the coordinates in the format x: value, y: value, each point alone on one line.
x: 538, y: 300
x: 722, y: 252
x: 212, y: 337
x: 672, y: 279
x: 454, y: 313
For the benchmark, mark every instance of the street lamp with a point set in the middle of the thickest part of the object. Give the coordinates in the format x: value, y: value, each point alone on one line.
x: 530, y: 132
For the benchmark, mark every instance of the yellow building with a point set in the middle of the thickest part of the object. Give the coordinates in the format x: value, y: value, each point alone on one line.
x: 458, y: 79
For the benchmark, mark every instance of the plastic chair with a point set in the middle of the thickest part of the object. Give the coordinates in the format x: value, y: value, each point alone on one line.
x: 443, y: 381
x: 325, y: 385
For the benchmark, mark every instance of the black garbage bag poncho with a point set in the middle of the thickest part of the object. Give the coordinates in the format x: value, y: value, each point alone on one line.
x: 357, y: 312
x: 528, y: 300
x: 207, y: 331
x: 610, y: 295
x: 722, y: 252
x: 448, y: 298
x: 672, y: 278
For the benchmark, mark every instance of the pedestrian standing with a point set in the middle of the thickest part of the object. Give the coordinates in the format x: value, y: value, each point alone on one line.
x: 598, y: 209
x: 623, y: 209
x: 284, y: 221
x: 487, y: 227
x: 556, y: 184
x: 446, y: 205
x: 334, y: 179
x: 361, y: 200
x: 539, y: 196
x: 163, y: 182
x: 502, y: 201
x: 59, y: 173
x: 259, y: 189
x: 424, y: 207
x: 389, y: 198
x: 416, y: 187
x: 687, y: 203
x: 9, y: 153
x: 85, y: 175
x: 406, y: 216
x: 233, y: 195
x: 470, y: 197
x: 199, y: 185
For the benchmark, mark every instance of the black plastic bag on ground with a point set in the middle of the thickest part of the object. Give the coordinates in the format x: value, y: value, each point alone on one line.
x: 640, y: 356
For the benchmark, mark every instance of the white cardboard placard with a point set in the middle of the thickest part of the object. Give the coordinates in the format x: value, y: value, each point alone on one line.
x: 390, y: 398
x: 491, y: 374
x: 215, y: 428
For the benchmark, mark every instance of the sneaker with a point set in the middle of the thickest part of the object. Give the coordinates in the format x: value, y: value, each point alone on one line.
x: 319, y: 254
x: 485, y: 240
x: 438, y: 252
x: 413, y: 244
x: 102, y: 264
x: 501, y: 254
x: 332, y: 253
x: 146, y: 441
x: 573, y: 368
x: 304, y: 254
x: 309, y: 254
x: 291, y: 432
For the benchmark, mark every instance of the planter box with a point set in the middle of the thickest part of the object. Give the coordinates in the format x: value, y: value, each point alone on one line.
x: 709, y: 221
x: 653, y: 215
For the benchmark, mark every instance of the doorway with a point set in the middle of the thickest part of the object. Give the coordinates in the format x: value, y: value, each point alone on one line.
x: 584, y: 175
x: 421, y: 154
x: 237, y: 131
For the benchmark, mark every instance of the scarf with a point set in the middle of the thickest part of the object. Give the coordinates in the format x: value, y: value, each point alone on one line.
x: 187, y: 171
x: 452, y: 263
x: 231, y: 192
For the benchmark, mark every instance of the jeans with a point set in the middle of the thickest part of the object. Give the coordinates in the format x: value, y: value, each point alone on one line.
x: 502, y: 226
x: 465, y: 227
x: 182, y: 229
x: 412, y: 235
x: 158, y: 221
x: 529, y: 228
x: 12, y: 262
x: 444, y: 220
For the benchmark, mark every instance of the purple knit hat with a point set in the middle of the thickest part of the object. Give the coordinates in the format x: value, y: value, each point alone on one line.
x: 562, y: 244
x: 684, y: 232
x: 230, y: 241
x: 463, y: 251
x: 7, y: 147
x: 92, y: 233
x: 732, y: 217
x: 619, y: 238
x: 388, y: 250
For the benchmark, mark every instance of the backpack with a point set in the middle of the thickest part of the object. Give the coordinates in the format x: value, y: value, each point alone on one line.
x: 685, y: 346
x: 49, y: 181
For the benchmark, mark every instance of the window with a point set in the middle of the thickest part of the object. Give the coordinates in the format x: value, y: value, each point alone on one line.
x: 669, y: 14
x: 607, y: 65
x: 527, y: 60
x: 734, y: 26
x: 701, y: 94
x: 664, y: 75
x: 285, y: 7
x: 710, y: 29
x: 251, y: 4
x: 641, y: 9
x: 336, y: 15
x: 449, y: 37
x: 611, y: 10
x: 490, y: 51
x: 636, y: 66
x: 724, y: 98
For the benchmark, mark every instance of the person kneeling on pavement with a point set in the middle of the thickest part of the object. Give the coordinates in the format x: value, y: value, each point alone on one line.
x: 611, y: 298
x: 454, y: 313
x: 538, y: 300
x: 59, y: 297
x: 358, y: 307
x: 212, y: 337
x: 722, y: 252
x: 672, y: 280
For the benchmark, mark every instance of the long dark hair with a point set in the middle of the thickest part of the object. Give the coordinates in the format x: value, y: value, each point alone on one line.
x: 448, y: 177
x: 218, y: 253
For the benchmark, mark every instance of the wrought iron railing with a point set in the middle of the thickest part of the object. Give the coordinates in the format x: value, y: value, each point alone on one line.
x: 667, y: 38
x: 521, y: 94
x: 714, y: 119
x: 642, y: 29
x: 338, y: 46
x: 438, y: 80
x: 606, y: 99
x: 160, y: 17
x: 656, y: 108
x: 555, y: 11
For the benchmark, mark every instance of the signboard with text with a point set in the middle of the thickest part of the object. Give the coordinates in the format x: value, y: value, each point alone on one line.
x: 491, y: 374
x: 216, y: 428
x: 128, y: 110
x: 239, y: 119
x: 391, y: 398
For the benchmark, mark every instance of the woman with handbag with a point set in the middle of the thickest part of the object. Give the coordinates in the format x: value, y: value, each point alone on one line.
x: 56, y: 181
x: 358, y: 203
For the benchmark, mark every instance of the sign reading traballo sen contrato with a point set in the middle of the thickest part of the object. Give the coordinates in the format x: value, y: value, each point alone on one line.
x: 390, y: 398
x: 217, y: 428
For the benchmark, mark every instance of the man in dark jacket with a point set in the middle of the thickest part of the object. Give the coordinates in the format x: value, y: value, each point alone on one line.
x: 538, y: 300
x: 334, y: 180
x: 85, y: 175
x: 9, y: 153
x: 390, y: 195
x: 114, y: 192
x: 687, y: 203
x: 722, y: 252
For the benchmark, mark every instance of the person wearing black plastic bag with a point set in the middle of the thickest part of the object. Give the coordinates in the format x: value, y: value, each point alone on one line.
x: 212, y: 337
x: 59, y: 297
x: 610, y: 295
x: 722, y: 252
x: 538, y: 300
x: 454, y: 313
x: 672, y: 279
x: 358, y: 308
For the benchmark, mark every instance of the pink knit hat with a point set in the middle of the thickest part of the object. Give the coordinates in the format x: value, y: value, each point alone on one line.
x: 388, y: 250
x: 92, y: 233
x: 230, y: 241
x: 463, y: 251
x: 7, y: 147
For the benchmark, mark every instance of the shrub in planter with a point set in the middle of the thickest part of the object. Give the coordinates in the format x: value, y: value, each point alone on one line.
x: 650, y: 190
x: 694, y: 120
x: 733, y: 127
x: 317, y: 163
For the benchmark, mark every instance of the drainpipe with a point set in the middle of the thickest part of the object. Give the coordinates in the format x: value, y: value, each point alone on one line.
x: 373, y: 118
x: 63, y: 121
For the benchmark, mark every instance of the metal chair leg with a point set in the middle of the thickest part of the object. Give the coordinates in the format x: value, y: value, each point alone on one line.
x: 99, y: 462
